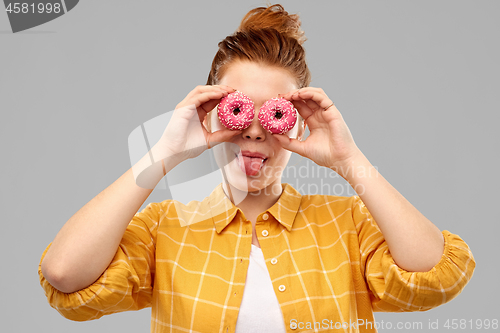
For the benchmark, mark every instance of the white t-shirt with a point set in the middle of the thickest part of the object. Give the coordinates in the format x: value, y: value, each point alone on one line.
x: 259, y: 310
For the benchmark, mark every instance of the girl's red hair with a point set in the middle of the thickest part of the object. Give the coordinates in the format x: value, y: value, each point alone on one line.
x: 267, y: 35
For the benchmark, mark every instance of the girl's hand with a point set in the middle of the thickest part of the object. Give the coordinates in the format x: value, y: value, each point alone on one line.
x: 330, y: 142
x: 186, y: 136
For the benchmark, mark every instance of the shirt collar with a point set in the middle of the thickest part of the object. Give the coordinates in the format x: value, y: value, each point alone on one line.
x: 287, y: 206
x: 223, y: 211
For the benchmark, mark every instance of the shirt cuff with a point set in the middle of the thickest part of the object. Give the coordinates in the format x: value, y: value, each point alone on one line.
x: 116, y: 290
x: 399, y: 290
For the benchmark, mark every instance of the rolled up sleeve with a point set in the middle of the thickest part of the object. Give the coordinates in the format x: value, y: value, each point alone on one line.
x: 126, y: 284
x: 394, y: 289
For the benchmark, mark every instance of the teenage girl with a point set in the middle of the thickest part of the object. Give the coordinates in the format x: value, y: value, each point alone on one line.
x: 256, y: 255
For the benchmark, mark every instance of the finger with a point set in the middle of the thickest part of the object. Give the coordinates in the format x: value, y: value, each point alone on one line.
x: 301, y: 105
x: 315, y: 89
x: 288, y: 94
x: 320, y: 98
x: 198, y: 90
x: 227, y: 88
x: 204, y: 102
x: 313, y: 106
x: 299, y: 95
x: 303, y: 109
x: 223, y: 135
x: 202, y: 99
x: 207, y: 88
x: 210, y: 105
x: 292, y: 92
x: 292, y: 145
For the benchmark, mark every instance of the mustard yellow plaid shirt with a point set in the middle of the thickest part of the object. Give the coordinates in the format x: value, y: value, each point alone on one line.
x: 328, y: 262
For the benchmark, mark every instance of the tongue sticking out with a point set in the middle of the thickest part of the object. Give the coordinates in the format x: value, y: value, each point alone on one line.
x: 250, y: 165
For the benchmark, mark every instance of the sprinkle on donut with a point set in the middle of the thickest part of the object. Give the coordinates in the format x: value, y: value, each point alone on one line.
x: 278, y: 115
x: 236, y: 111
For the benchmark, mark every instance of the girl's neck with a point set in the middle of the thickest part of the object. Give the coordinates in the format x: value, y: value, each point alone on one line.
x: 254, y: 203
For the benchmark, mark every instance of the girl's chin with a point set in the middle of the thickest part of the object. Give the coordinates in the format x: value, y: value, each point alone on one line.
x: 244, y: 183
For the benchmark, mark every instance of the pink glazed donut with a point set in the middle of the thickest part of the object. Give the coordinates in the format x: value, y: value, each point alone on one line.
x: 278, y: 115
x: 236, y: 111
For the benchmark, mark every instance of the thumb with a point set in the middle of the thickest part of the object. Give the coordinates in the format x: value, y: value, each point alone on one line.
x: 221, y: 136
x: 292, y: 145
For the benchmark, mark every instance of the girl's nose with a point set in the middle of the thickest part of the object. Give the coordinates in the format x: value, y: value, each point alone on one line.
x: 255, y: 131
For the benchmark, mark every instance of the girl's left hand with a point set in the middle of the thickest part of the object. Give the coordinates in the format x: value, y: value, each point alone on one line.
x: 330, y: 142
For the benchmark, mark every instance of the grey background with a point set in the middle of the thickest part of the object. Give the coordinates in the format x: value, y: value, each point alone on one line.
x: 417, y: 83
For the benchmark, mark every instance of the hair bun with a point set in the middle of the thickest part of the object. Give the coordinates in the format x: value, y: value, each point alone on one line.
x: 273, y: 17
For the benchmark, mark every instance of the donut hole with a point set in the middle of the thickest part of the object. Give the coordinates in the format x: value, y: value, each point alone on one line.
x: 278, y: 115
x: 236, y: 111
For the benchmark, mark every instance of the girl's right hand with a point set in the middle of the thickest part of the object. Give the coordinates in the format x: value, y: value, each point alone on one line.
x: 186, y: 135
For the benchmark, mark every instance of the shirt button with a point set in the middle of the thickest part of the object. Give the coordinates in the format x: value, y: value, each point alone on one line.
x: 274, y: 261
x: 282, y: 287
x: 265, y: 216
x: 265, y: 233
